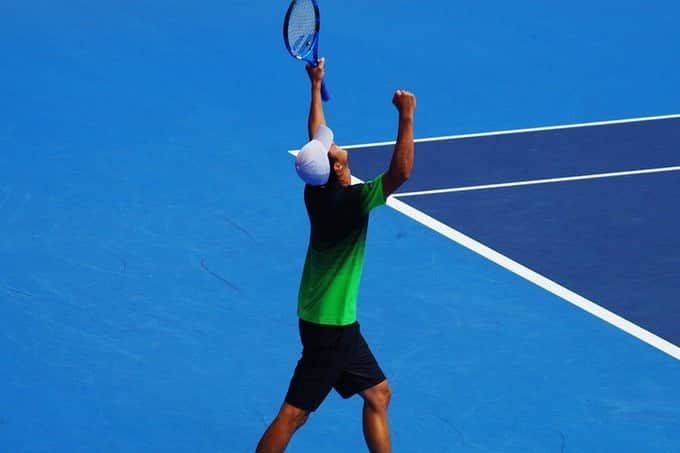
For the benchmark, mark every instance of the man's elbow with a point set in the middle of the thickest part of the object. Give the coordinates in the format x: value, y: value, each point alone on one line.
x: 401, y: 175
x: 404, y: 175
x: 405, y: 171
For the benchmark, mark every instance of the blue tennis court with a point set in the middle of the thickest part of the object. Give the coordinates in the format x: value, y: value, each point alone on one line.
x: 520, y: 291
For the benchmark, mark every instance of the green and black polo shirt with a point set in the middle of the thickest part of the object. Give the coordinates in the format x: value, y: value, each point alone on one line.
x: 335, y: 257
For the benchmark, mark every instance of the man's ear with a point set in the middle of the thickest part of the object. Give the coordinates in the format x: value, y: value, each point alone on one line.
x: 338, y: 167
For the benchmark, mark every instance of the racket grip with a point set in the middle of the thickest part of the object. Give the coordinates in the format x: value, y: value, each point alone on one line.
x: 325, y: 95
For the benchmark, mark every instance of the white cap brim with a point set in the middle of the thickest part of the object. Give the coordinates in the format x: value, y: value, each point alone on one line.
x: 311, y: 163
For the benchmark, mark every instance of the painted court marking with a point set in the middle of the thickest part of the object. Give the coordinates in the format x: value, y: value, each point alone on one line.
x: 522, y: 131
x: 536, y: 278
x: 539, y: 181
x: 513, y: 266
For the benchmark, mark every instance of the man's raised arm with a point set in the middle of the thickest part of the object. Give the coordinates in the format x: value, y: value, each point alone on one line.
x: 402, y: 156
x: 316, y: 115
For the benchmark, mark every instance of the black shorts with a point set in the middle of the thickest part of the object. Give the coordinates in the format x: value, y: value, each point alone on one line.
x: 332, y: 357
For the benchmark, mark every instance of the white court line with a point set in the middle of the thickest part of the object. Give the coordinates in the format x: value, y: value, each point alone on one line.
x: 539, y: 181
x: 521, y: 131
x: 536, y: 278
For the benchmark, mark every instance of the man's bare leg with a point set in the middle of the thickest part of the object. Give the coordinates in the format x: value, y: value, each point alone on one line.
x: 281, y: 430
x: 376, y: 428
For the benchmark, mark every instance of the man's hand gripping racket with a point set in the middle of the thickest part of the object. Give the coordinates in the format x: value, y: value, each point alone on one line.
x: 301, y: 35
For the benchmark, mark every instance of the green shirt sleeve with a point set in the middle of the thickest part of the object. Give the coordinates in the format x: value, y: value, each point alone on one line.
x: 372, y: 194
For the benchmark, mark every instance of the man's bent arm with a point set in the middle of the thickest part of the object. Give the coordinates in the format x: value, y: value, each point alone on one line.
x: 316, y: 114
x: 402, y: 156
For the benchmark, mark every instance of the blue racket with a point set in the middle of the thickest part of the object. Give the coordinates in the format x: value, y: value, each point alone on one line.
x: 301, y: 34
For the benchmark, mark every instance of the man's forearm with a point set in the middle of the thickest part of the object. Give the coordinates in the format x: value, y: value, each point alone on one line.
x: 316, y: 115
x: 402, y: 157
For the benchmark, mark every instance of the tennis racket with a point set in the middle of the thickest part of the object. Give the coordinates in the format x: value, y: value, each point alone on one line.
x: 301, y: 34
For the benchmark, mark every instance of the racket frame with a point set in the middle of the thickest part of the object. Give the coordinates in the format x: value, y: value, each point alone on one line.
x: 311, y: 57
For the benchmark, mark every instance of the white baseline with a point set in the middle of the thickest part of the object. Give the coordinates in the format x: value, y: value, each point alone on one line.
x: 526, y: 130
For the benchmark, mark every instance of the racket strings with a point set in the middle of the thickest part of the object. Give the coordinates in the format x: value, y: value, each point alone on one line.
x: 302, y: 28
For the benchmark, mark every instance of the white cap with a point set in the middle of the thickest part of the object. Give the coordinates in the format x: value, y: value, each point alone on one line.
x: 312, y: 162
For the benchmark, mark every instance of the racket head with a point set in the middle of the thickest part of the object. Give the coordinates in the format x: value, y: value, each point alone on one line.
x: 301, y: 27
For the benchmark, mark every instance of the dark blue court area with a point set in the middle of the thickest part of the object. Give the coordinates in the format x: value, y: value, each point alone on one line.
x: 613, y: 240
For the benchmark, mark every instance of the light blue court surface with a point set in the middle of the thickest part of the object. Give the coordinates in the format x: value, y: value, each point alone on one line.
x: 153, y: 230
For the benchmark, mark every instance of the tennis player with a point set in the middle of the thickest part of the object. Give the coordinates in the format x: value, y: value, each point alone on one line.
x: 335, y: 354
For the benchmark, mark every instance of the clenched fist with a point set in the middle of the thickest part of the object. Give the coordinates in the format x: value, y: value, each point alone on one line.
x: 405, y: 102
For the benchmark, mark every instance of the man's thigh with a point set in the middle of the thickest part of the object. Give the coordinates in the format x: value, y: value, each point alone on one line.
x: 361, y: 370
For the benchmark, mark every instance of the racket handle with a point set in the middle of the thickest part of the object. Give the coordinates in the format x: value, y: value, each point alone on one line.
x: 325, y: 95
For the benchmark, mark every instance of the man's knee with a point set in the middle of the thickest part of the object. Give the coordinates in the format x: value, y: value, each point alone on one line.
x: 293, y: 416
x: 378, y: 396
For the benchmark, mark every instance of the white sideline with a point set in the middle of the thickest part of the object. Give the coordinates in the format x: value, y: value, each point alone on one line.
x: 539, y: 181
x: 536, y: 278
